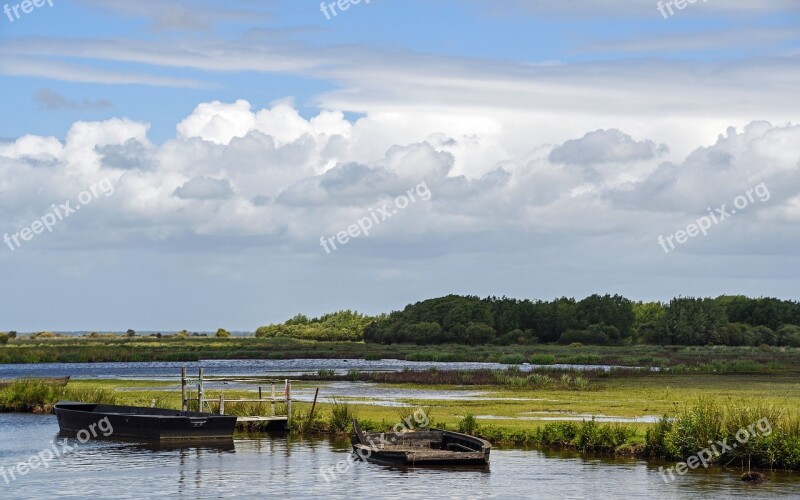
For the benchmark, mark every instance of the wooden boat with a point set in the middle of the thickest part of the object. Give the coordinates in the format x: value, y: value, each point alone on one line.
x: 421, y: 448
x: 57, y: 381
x: 150, y: 424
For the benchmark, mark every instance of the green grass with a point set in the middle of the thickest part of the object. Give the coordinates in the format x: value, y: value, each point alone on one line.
x: 39, y: 396
x: 698, y: 408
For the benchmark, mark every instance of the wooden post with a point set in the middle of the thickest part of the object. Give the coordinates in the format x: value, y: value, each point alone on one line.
x: 222, y: 404
x: 273, y: 399
x: 313, y: 405
x: 260, y: 411
x: 184, y: 403
x: 200, y: 394
x: 288, y: 395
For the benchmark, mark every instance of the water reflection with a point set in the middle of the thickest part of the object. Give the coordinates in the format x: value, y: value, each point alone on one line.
x: 283, y: 467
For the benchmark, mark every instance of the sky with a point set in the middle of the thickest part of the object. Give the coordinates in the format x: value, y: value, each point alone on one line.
x: 177, y: 164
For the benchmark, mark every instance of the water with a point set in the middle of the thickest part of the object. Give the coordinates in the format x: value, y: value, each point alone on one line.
x: 277, y: 467
x: 241, y: 367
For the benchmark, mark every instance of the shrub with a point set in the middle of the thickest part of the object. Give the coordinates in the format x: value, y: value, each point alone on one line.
x: 341, y: 417
x: 580, y: 359
x: 222, y: 334
x: 542, y: 359
x: 4, y: 338
x: 512, y: 359
x: 468, y: 424
x: 540, y: 381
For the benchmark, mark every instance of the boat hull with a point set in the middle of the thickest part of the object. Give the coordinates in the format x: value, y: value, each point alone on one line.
x: 151, y: 424
x: 430, y: 448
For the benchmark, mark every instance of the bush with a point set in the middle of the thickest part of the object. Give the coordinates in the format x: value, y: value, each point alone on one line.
x: 468, y: 424
x: 339, y: 326
x: 542, y: 359
x: 512, y: 359
x: 4, y: 338
x: 341, y: 418
x: 222, y: 334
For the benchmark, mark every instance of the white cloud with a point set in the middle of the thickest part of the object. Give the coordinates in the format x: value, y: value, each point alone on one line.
x: 234, y: 180
x: 205, y: 188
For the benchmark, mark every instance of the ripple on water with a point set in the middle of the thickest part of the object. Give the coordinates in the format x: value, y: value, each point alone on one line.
x: 289, y: 468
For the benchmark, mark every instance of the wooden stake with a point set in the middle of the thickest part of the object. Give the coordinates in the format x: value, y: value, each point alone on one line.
x: 184, y: 402
x: 200, y: 394
x: 313, y: 405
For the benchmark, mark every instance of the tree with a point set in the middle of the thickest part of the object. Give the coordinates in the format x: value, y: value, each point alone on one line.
x: 222, y: 333
x: 130, y: 333
x: 479, y: 334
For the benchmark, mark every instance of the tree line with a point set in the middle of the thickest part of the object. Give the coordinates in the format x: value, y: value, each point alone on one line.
x: 596, y: 320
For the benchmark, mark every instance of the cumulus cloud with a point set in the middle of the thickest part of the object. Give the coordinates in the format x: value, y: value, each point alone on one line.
x: 278, y: 178
x: 132, y: 154
x: 205, y: 188
x: 606, y: 146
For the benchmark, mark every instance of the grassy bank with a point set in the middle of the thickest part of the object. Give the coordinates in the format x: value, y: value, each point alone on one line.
x: 36, y: 396
x: 696, y: 409
x: 99, y: 349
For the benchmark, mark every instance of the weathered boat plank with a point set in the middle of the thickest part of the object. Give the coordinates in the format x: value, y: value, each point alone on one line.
x: 420, y: 448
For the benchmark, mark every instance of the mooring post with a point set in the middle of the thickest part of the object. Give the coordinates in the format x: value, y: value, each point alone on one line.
x: 184, y: 402
x: 222, y: 404
x: 313, y: 405
x: 287, y: 390
x: 200, y: 394
x: 273, y: 399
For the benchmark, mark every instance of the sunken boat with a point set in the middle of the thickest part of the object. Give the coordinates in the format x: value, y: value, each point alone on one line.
x: 421, y: 448
x: 149, y: 424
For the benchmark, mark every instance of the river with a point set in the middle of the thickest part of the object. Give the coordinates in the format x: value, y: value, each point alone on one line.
x: 279, y: 467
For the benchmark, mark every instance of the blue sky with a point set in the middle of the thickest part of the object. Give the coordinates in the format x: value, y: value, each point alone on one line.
x: 239, y: 133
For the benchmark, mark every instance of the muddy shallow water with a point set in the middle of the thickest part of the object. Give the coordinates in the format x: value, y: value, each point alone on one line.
x: 242, y: 367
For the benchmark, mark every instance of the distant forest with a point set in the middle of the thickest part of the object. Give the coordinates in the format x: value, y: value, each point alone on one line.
x: 595, y: 320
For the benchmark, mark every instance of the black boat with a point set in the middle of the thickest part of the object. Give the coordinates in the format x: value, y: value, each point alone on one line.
x: 151, y: 424
x: 423, y: 448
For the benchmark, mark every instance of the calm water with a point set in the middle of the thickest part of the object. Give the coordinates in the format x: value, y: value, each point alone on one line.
x: 275, y: 467
x: 241, y: 367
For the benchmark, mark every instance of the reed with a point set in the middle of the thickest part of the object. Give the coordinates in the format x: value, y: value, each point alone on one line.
x: 342, y: 416
x: 773, y: 442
